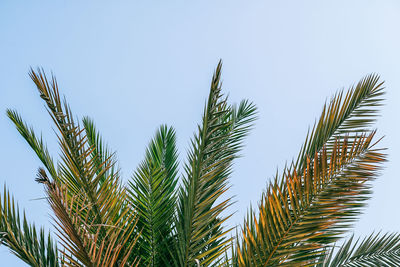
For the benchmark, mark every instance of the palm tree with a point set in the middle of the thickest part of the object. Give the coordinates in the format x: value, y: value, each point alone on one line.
x: 162, y: 218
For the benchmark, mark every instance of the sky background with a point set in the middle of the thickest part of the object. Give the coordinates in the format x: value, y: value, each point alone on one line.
x: 133, y: 65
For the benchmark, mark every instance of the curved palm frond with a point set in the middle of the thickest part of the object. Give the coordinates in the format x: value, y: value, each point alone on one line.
x: 374, y: 250
x: 152, y: 193
x: 83, y: 246
x: 24, y: 241
x: 347, y: 117
x: 83, y: 174
x: 298, y: 218
x: 37, y: 144
x: 318, y: 197
x: 200, y: 236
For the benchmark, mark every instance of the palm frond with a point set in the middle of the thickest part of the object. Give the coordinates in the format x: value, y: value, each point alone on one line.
x: 84, y: 246
x: 101, y: 153
x: 37, y: 144
x: 374, y: 250
x: 200, y: 236
x: 83, y: 174
x: 348, y: 115
x: 319, y: 195
x: 32, y: 246
x: 298, y: 217
x: 152, y: 193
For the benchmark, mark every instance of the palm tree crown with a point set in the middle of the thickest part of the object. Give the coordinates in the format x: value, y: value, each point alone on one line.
x: 163, y: 218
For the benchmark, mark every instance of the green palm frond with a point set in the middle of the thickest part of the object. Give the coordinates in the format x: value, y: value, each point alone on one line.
x: 101, y: 153
x: 24, y: 241
x: 374, y: 250
x: 152, y: 193
x: 200, y: 236
x: 348, y: 115
x: 37, y: 144
x: 84, y: 174
x: 299, y: 217
x: 318, y: 196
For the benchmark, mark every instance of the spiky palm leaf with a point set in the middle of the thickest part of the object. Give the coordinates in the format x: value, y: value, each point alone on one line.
x: 37, y: 144
x: 71, y: 224
x: 373, y: 250
x: 316, y: 199
x: 299, y: 218
x: 83, y: 178
x: 347, y: 117
x: 101, y: 153
x: 152, y: 193
x: 200, y: 236
x: 24, y: 241
x: 84, y: 246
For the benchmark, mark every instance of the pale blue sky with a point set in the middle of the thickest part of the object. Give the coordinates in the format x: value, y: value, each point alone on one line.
x: 133, y: 65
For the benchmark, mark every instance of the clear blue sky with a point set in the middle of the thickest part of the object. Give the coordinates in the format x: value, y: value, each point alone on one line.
x: 133, y: 65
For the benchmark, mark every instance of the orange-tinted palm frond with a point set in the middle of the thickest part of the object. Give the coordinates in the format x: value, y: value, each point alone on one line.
x: 273, y: 236
x: 85, y: 176
x: 81, y: 237
x: 298, y: 217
